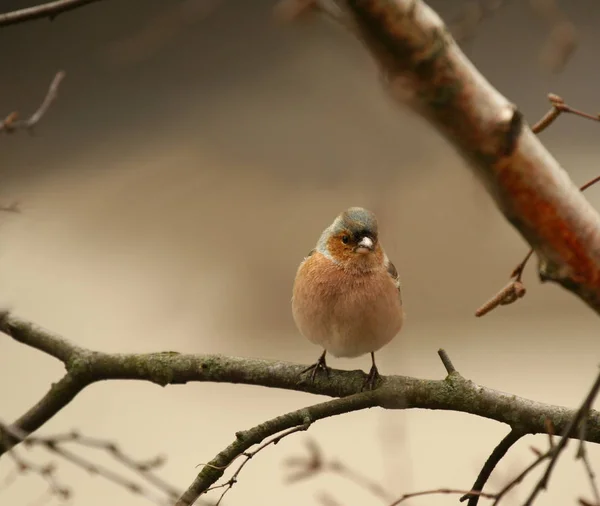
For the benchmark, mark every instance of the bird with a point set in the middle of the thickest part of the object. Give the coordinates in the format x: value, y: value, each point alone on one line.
x: 347, y: 295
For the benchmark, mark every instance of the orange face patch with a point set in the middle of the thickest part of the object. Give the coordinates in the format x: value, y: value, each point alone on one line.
x: 340, y: 251
x: 345, y: 254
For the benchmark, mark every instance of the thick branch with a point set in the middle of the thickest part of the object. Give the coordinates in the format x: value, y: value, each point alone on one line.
x: 426, y: 69
x: 455, y: 393
x: 48, y: 10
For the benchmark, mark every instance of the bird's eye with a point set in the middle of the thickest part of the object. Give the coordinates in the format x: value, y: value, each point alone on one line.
x: 345, y: 239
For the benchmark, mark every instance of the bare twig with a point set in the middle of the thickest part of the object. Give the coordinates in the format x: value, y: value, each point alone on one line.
x: 583, y: 456
x: 48, y: 10
x: 445, y: 358
x: 300, y: 420
x: 57, y: 446
x: 553, y: 452
x: 568, y: 432
x: 46, y: 471
x: 551, y: 455
x: 496, y: 456
x: 559, y: 107
x: 12, y: 122
x: 438, y: 491
x: 513, y: 291
x: 316, y: 463
x: 519, y: 478
x: 228, y: 485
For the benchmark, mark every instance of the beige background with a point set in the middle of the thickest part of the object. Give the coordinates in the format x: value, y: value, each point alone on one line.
x: 171, y: 192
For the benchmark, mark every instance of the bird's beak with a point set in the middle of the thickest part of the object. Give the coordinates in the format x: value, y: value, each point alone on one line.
x: 365, y: 245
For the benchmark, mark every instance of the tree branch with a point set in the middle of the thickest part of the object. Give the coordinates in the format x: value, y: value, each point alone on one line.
x: 57, y: 445
x: 490, y: 464
x: 11, y: 123
x: 85, y: 367
x: 303, y: 418
x: 425, y: 69
x: 48, y: 10
x: 567, y: 432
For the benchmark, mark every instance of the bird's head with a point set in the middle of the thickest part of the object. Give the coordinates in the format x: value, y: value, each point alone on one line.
x: 352, y: 239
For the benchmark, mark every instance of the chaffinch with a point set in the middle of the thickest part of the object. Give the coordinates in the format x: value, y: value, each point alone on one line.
x: 347, y: 296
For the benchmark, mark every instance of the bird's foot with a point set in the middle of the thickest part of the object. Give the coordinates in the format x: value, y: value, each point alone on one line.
x: 372, y: 378
x: 319, y: 365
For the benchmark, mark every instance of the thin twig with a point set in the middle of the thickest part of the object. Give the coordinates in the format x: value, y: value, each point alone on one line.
x: 559, y: 107
x: 316, y: 463
x: 555, y: 452
x: 583, y: 456
x: 299, y: 420
x: 437, y: 491
x: 519, y: 478
x: 12, y: 122
x: 228, y: 485
x: 48, y: 10
x: 56, y: 445
x: 46, y: 471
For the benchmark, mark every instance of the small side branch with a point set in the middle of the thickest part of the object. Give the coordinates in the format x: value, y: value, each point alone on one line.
x: 11, y: 123
x: 316, y: 463
x: 445, y: 358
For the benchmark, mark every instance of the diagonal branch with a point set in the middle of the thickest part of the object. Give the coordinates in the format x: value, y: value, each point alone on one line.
x: 301, y: 418
x: 569, y: 431
x: 48, y: 10
x: 425, y: 69
x: 490, y: 464
x: 85, y: 367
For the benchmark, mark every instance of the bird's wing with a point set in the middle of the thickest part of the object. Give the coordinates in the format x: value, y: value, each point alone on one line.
x: 393, y: 272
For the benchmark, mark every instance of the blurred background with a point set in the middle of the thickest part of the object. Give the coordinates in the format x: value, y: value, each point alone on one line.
x: 193, y: 157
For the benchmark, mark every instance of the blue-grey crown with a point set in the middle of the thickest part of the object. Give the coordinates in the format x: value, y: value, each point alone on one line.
x: 358, y: 219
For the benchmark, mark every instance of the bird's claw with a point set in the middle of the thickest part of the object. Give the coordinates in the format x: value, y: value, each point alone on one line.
x: 372, y: 378
x: 319, y: 365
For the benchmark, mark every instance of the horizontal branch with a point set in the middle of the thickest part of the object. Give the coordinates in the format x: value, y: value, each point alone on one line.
x: 85, y: 367
x: 47, y: 10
